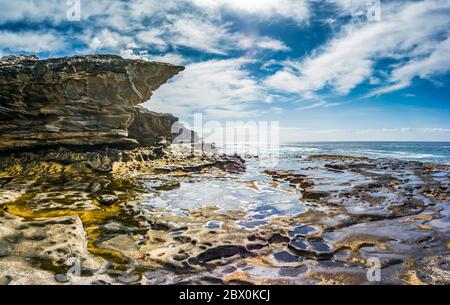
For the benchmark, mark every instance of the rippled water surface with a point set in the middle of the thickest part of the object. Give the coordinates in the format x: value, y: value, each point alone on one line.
x: 416, y: 151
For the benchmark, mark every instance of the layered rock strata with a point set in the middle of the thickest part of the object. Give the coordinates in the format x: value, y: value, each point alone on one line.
x: 150, y: 128
x: 77, y: 156
x: 79, y: 101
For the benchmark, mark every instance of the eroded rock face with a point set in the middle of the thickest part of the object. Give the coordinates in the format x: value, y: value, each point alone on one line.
x: 150, y: 128
x: 76, y: 101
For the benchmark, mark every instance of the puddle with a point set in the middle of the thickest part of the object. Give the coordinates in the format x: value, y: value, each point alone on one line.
x: 303, y: 231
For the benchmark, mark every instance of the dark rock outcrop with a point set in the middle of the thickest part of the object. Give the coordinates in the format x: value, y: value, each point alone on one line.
x: 149, y: 128
x: 79, y: 101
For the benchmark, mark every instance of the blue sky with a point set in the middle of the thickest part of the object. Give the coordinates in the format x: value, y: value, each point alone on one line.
x: 322, y: 68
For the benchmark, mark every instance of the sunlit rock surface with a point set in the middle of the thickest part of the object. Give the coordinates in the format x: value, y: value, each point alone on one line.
x: 78, y: 205
x: 198, y: 223
x: 77, y: 101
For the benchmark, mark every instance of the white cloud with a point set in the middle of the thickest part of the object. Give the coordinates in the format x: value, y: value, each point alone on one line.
x: 118, y: 13
x: 217, y: 88
x: 34, y: 10
x: 293, y: 134
x: 436, y: 129
x: 110, y: 13
x: 152, y: 37
x: 411, y: 30
x: 319, y: 104
x: 189, y: 31
x: 107, y: 39
x: 171, y: 58
x: 265, y: 42
x: 292, y: 9
x: 271, y: 64
x: 436, y: 63
x: 129, y: 54
x: 199, y: 34
x: 30, y: 41
x: 212, y: 37
x: 153, y: 24
x: 139, y: 9
x: 370, y: 130
x: 351, y: 6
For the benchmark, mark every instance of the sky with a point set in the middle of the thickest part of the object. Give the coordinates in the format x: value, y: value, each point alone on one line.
x: 328, y: 70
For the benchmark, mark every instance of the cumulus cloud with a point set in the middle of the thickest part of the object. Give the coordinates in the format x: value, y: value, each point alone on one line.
x: 356, y: 7
x: 153, y: 24
x: 292, y: 9
x: 207, y: 35
x: 114, y: 12
x: 407, y: 31
x: 30, y: 41
x: 152, y: 37
x: 161, y: 31
x: 107, y: 39
x: 413, y: 35
x: 33, y: 10
x: 218, y: 88
x: 199, y: 34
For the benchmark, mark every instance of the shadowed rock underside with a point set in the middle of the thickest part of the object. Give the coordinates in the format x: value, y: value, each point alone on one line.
x: 78, y: 101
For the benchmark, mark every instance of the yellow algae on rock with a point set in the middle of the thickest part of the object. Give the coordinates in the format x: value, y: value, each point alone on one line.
x: 418, y: 217
x: 342, y: 278
x: 425, y: 227
x: 357, y: 241
x: 410, y: 277
x: 88, y: 217
x: 237, y: 276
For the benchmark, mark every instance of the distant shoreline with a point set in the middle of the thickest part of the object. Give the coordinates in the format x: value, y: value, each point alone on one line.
x: 367, y: 141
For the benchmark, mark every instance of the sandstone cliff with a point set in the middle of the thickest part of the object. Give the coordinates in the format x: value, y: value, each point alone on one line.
x: 149, y: 128
x: 80, y: 101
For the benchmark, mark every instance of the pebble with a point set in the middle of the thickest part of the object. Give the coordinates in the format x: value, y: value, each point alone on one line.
x: 298, y: 245
x: 286, y: 257
x: 62, y: 278
x: 128, y: 279
x: 107, y: 199
x: 5, y: 280
x: 292, y: 272
x: 155, y: 278
x: 100, y: 282
x: 302, y: 231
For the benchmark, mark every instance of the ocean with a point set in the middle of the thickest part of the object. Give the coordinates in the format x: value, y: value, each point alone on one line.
x: 436, y: 152
x: 224, y: 193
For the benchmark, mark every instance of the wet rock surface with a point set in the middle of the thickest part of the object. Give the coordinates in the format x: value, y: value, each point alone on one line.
x: 173, y: 219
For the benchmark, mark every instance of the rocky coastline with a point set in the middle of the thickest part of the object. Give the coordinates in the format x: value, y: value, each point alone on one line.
x: 92, y: 192
x: 74, y: 125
